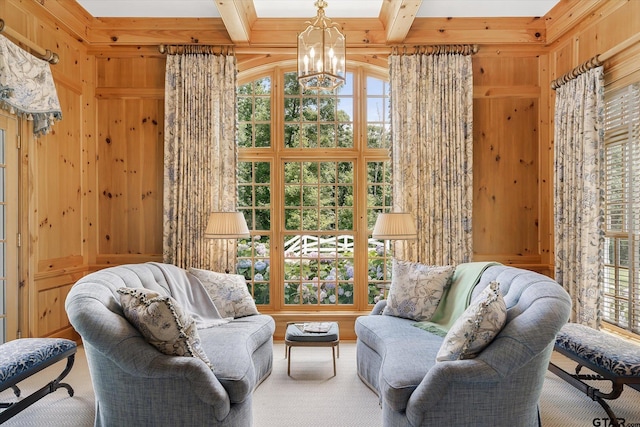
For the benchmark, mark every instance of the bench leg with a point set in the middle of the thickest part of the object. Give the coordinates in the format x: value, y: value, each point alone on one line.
x: 333, y: 351
x: 576, y: 380
x: 16, y: 391
x: 16, y: 407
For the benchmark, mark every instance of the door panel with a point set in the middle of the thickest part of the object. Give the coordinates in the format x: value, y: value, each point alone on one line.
x: 8, y: 227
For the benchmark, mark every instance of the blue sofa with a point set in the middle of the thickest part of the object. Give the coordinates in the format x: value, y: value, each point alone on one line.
x: 137, y: 385
x: 499, y: 387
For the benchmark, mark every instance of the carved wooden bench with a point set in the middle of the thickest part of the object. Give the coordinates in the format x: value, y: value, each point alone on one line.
x: 21, y: 358
x: 610, y: 358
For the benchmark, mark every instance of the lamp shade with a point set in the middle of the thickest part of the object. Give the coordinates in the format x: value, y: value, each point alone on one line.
x: 226, y: 225
x: 394, y: 226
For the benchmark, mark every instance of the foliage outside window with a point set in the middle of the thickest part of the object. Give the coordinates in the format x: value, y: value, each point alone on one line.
x: 621, y: 275
x: 310, y: 177
x: 379, y: 252
x: 254, y: 200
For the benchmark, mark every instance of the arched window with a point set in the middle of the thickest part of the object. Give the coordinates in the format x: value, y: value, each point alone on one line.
x: 314, y: 172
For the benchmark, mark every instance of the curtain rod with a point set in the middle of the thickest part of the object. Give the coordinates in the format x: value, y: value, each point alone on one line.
x: 46, y: 54
x: 594, y: 62
x: 580, y: 69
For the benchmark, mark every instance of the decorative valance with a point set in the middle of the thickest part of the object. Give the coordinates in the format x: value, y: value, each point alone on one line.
x: 27, y: 88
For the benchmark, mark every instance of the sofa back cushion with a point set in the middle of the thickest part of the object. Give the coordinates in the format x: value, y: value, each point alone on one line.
x: 228, y: 292
x: 416, y: 289
x: 162, y: 322
x: 476, y: 327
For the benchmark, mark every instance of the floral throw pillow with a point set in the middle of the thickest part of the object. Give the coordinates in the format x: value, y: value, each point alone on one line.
x: 416, y: 289
x: 228, y: 292
x: 162, y: 322
x: 476, y: 327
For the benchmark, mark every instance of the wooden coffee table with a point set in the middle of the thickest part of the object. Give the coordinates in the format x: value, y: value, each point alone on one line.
x: 301, y: 334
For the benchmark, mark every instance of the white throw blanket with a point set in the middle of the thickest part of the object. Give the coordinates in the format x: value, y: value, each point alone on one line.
x: 192, y: 296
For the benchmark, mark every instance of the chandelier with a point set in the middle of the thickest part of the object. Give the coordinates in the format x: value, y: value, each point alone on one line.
x: 321, y: 53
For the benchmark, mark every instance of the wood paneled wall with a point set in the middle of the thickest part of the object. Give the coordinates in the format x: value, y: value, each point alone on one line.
x: 92, y: 189
x: 510, y: 191
x: 53, y: 181
x: 603, y: 28
x: 130, y: 105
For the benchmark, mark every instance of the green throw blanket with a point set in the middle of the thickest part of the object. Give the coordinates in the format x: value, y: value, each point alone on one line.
x: 456, y: 298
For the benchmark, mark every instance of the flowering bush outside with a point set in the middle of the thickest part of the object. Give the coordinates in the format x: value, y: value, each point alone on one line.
x: 319, y: 278
x: 379, y: 277
x: 320, y: 271
x: 253, y: 264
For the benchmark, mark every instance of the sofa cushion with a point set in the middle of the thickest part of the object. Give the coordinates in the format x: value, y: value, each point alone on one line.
x: 476, y: 327
x: 233, y: 349
x: 229, y: 292
x: 416, y: 289
x: 407, y: 354
x: 162, y: 322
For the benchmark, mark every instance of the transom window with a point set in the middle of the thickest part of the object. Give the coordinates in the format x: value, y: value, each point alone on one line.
x: 314, y: 172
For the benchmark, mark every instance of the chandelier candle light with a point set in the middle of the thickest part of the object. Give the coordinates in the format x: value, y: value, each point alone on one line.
x: 321, y: 53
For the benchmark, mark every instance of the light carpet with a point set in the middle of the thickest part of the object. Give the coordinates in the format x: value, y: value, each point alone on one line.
x: 311, y: 396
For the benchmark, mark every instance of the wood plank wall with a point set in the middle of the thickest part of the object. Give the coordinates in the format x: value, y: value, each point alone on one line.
x: 92, y: 190
x: 54, y: 168
x: 130, y: 105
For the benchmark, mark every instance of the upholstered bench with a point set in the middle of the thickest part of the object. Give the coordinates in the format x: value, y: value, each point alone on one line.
x: 610, y: 358
x: 296, y: 336
x: 21, y: 358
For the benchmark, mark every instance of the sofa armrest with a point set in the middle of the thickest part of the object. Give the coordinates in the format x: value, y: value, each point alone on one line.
x: 379, y: 307
x: 448, y: 381
x: 111, y: 336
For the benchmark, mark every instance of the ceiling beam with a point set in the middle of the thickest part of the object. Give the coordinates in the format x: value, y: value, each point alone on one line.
x: 397, y: 17
x: 238, y: 17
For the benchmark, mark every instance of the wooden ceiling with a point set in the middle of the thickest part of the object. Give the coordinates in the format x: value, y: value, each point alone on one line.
x: 240, y: 26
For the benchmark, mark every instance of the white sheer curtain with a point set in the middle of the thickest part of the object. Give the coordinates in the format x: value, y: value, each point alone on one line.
x: 200, y: 155
x: 579, y: 192
x: 432, y: 154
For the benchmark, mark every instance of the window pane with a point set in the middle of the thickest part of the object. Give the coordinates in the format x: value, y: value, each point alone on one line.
x: 254, y: 265
x: 319, y: 269
x: 263, y: 109
x: 323, y: 119
x: 254, y: 201
x: 378, y: 116
x: 307, y: 145
x: 379, y: 251
x: 262, y: 135
x: 621, y: 272
x: 254, y: 113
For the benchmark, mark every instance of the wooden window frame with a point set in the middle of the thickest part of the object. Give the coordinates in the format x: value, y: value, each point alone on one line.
x: 276, y: 154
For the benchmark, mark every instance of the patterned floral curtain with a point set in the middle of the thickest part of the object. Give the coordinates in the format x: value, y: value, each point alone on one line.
x: 27, y: 88
x: 432, y: 154
x: 200, y: 156
x: 579, y: 192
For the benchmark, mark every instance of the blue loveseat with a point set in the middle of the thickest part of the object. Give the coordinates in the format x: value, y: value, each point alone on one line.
x: 137, y: 385
x: 499, y: 387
